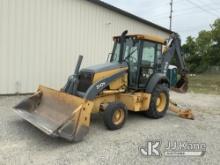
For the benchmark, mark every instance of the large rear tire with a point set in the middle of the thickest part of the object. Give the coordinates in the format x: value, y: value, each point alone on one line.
x: 115, y: 115
x: 159, y: 102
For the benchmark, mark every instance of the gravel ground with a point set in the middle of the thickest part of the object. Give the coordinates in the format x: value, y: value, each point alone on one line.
x: 21, y: 143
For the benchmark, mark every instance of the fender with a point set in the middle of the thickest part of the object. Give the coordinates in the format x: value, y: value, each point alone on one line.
x: 99, y: 86
x: 154, y: 80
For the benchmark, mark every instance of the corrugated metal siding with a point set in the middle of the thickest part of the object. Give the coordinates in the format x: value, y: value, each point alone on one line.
x: 40, y: 40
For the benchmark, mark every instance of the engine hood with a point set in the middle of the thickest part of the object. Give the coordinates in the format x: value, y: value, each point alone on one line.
x: 104, y: 67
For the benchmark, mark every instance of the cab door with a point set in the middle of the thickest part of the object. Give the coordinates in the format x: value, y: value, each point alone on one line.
x: 149, y: 53
x: 132, y: 59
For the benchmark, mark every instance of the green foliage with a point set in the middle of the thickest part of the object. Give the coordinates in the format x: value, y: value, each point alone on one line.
x: 203, y: 51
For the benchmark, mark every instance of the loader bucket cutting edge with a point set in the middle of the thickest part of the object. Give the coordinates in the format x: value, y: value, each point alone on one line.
x: 56, y: 113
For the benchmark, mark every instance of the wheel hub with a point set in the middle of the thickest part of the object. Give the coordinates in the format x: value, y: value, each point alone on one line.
x: 118, y: 116
x: 161, y: 102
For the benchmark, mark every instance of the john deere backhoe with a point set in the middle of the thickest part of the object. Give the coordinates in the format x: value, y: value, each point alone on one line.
x: 135, y: 79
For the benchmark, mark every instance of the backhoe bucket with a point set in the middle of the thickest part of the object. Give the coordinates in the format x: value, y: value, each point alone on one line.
x: 56, y: 113
x: 181, y: 85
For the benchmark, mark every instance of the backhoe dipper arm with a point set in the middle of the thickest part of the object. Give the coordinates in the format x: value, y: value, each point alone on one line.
x: 174, y: 48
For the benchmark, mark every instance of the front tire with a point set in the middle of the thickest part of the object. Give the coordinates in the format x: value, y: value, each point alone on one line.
x: 115, y: 115
x: 159, y: 102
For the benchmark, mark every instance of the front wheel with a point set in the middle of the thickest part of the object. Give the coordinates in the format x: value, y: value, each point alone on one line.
x: 115, y: 115
x: 159, y: 102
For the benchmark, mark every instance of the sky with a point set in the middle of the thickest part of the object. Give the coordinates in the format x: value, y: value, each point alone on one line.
x: 189, y: 16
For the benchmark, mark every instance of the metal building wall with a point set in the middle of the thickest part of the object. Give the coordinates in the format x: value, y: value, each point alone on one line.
x: 40, y: 40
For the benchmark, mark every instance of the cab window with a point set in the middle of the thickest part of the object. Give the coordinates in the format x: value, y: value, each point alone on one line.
x: 116, y: 52
x: 149, y: 52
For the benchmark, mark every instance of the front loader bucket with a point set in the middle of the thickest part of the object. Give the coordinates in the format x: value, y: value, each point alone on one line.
x: 181, y: 85
x: 56, y: 113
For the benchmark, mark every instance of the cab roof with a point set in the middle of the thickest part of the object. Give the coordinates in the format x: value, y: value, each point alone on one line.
x: 147, y: 37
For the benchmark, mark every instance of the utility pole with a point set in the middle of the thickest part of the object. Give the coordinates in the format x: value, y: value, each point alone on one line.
x: 171, y: 13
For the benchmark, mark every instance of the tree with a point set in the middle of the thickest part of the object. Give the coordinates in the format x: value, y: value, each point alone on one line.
x: 216, y: 31
x: 215, y: 53
x: 203, y: 51
x: 190, y: 51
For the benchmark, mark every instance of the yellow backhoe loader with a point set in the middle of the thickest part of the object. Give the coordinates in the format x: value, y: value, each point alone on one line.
x: 136, y: 78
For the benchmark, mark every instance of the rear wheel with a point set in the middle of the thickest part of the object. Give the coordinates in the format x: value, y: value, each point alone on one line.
x: 115, y: 115
x: 159, y: 102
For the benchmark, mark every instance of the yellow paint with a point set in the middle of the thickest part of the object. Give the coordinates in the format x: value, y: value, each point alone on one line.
x: 161, y: 102
x: 119, y: 83
x: 81, y: 109
x: 85, y: 112
x: 101, y: 75
x: 102, y: 100
x: 138, y: 101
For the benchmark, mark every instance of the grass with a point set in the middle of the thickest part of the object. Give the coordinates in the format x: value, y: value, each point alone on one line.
x: 205, y: 83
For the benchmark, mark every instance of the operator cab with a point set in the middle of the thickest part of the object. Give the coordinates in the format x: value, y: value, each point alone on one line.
x: 142, y: 53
